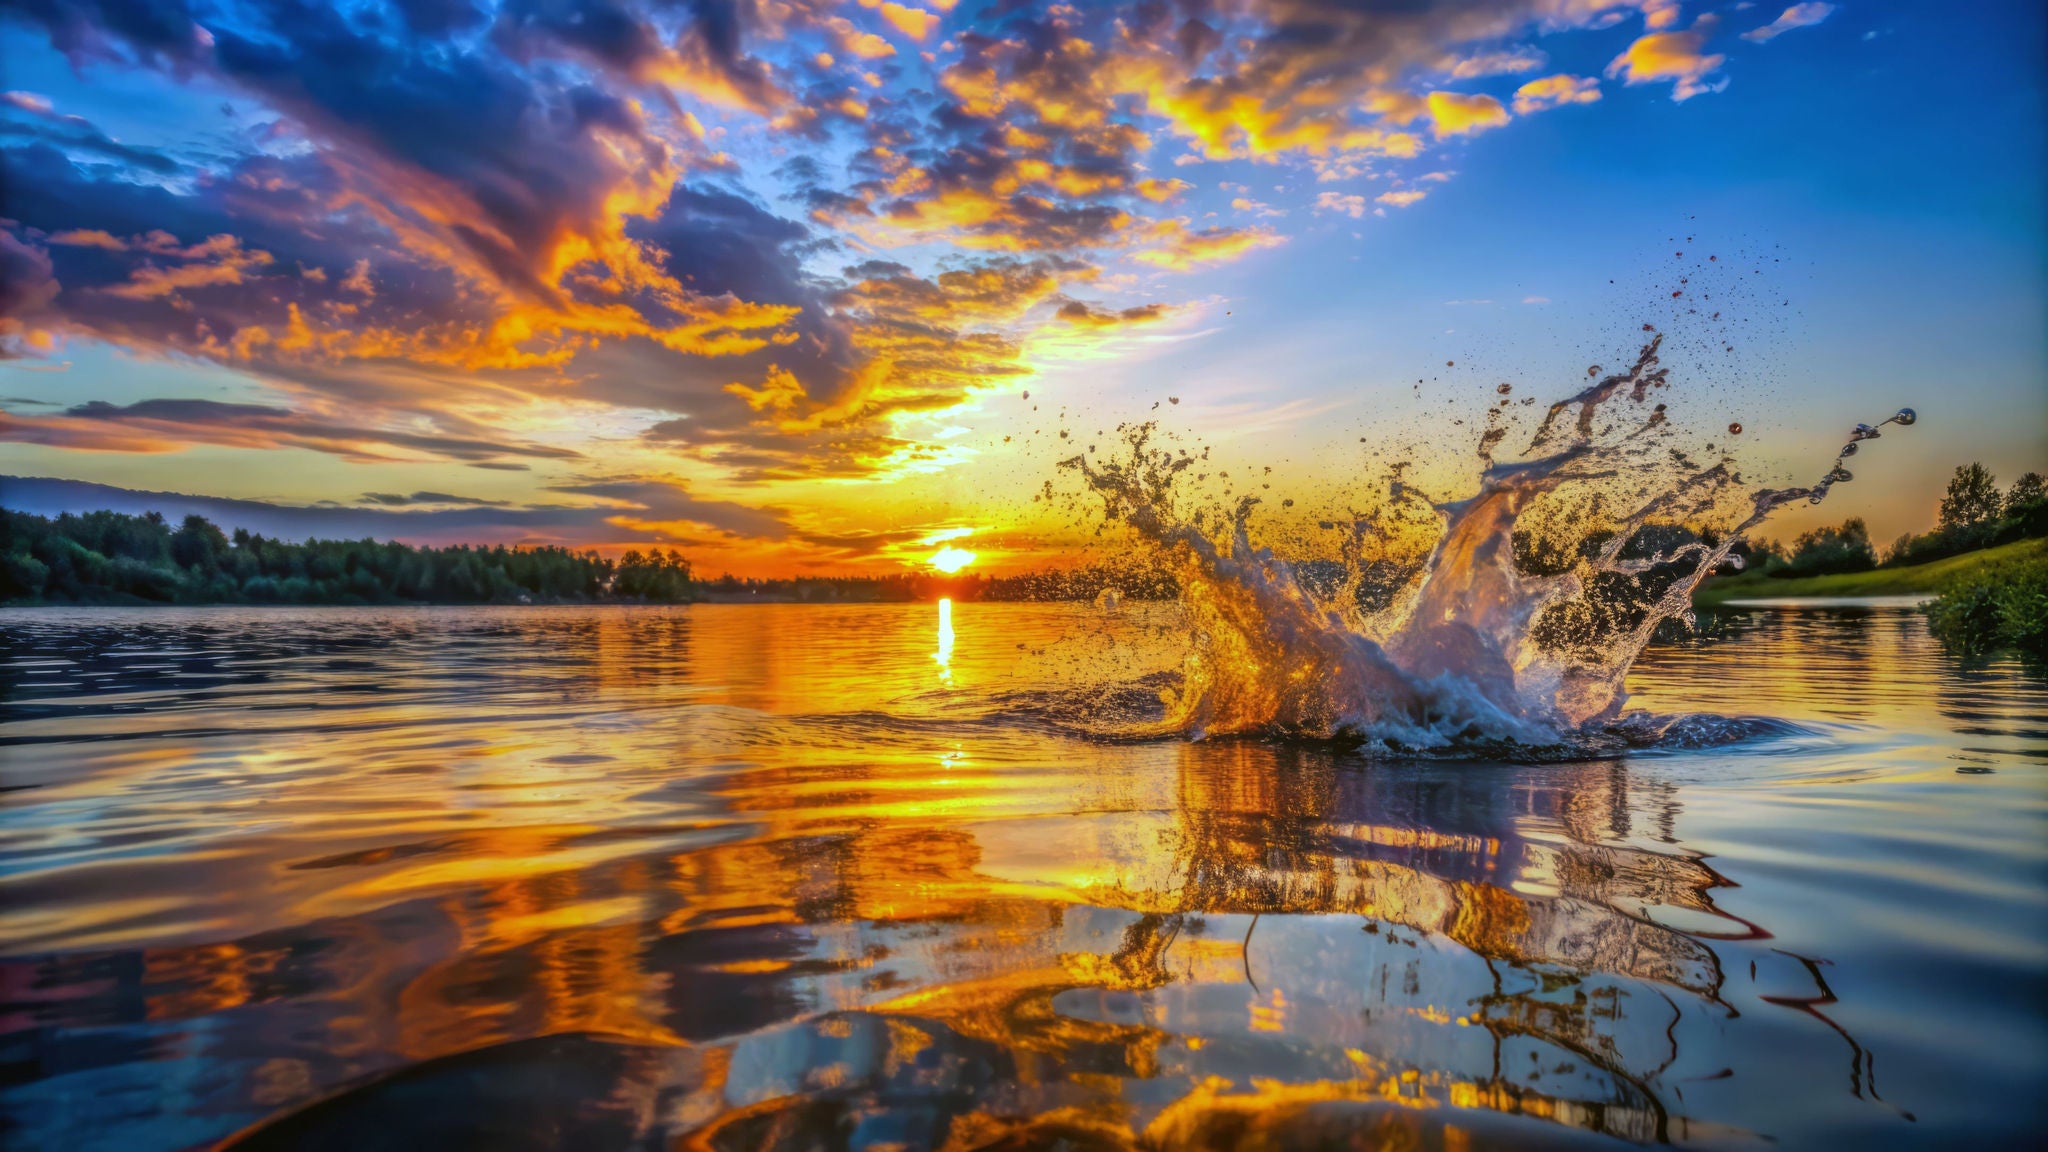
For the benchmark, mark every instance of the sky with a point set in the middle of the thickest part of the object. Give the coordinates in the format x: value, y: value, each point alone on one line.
x: 803, y: 286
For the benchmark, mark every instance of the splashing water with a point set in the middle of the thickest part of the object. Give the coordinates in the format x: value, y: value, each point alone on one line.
x: 1494, y: 641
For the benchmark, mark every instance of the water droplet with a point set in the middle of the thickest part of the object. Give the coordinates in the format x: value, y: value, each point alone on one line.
x: 1905, y: 416
x: 1735, y: 429
x: 1027, y: 395
x: 1849, y: 449
x: 1504, y: 389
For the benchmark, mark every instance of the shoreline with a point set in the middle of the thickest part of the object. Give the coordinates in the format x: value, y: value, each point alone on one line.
x: 1923, y: 580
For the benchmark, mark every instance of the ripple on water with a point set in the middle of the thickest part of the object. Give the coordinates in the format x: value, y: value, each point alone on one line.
x: 760, y: 876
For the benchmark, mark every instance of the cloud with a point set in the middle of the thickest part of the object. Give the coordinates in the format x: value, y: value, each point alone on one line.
x: 28, y: 287
x: 1175, y: 246
x: 1458, y: 114
x: 28, y: 116
x: 394, y: 500
x: 1675, y: 56
x: 915, y: 23
x: 1350, y: 205
x: 593, y: 513
x: 1555, y: 92
x: 661, y: 505
x: 163, y: 425
x: 220, y: 259
x: 1162, y: 190
x: 913, y: 344
x: 1797, y: 16
x: 1082, y: 315
x: 778, y: 240
x: 1501, y: 63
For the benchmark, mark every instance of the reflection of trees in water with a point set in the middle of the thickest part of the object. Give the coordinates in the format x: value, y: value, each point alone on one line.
x: 1493, y: 943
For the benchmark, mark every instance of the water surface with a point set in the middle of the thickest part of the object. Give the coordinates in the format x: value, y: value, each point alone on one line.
x: 790, y: 876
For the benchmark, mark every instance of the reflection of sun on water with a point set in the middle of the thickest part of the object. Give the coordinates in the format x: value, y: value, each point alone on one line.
x: 945, y: 653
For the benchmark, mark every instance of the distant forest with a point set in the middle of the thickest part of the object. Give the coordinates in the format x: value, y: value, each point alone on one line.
x: 114, y: 558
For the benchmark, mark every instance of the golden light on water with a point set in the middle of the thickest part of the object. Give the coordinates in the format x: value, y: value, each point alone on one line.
x: 874, y: 880
x: 950, y: 560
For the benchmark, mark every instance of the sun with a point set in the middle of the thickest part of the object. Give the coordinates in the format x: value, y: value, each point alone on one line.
x: 951, y: 560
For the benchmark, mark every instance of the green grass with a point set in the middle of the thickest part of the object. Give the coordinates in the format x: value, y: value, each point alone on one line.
x: 1918, y: 579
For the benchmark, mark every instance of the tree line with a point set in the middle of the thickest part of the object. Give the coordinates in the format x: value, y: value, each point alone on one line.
x: 1973, y: 515
x: 112, y: 557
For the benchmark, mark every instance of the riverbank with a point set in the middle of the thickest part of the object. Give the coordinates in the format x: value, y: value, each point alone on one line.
x: 1914, y: 580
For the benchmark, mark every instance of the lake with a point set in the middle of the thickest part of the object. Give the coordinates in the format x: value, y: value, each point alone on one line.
x: 792, y: 876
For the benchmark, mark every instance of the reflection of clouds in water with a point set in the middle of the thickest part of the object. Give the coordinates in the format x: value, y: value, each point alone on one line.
x: 617, y: 895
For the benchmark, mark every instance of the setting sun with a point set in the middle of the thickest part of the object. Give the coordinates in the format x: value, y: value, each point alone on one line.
x: 951, y: 560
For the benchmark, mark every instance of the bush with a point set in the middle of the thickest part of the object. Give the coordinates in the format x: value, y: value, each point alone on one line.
x: 1998, y: 606
x: 1826, y: 551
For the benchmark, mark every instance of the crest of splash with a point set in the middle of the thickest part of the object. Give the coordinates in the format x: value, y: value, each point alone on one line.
x: 1471, y: 650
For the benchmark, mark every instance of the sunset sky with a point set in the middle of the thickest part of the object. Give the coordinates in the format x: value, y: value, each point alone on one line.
x: 770, y: 280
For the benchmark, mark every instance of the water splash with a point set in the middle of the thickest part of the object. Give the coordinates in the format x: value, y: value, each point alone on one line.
x: 1502, y: 637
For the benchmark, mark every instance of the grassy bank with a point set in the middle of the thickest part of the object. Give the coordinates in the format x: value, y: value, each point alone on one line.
x: 1918, y: 579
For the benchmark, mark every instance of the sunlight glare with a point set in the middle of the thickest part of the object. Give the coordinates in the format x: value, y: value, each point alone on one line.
x: 951, y: 560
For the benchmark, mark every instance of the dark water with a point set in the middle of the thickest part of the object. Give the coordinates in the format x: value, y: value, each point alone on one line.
x: 799, y: 877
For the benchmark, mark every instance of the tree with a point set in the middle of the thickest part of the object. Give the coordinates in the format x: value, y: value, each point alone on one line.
x: 1828, y: 550
x: 1972, y: 499
x: 198, y: 544
x: 2025, y: 492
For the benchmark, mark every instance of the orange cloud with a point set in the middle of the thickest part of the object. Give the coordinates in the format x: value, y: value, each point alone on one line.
x: 1402, y: 199
x: 1674, y: 56
x: 915, y: 23
x: 856, y: 41
x: 1554, y: 92
x: 1458, y: 114
x: 1179, y: 248
x: 1160, y: 191
x: 88, y: 238
x: 1081, y: 315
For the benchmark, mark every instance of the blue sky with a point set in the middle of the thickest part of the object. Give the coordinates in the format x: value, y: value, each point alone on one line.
x: 770, y: 280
